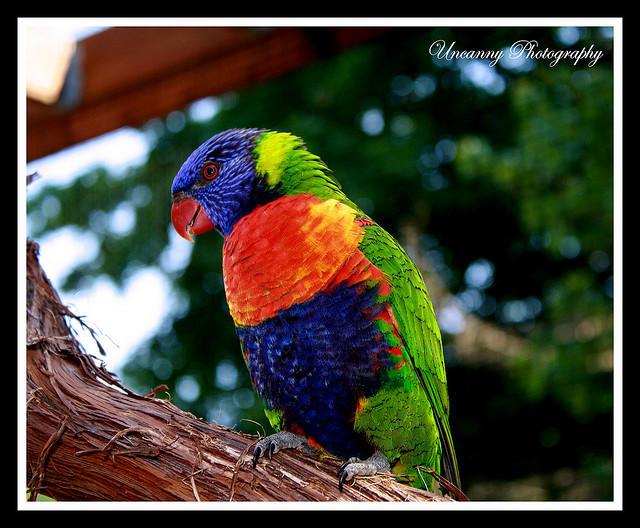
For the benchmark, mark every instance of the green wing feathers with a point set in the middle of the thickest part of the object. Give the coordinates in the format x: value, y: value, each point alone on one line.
x: 422, y: 346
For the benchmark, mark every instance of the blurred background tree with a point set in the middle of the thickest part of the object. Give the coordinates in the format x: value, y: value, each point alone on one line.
x: 504, y: 176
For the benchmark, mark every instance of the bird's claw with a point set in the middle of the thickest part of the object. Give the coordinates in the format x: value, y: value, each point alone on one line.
x: 257, y: 453
x: 271, y: 444
x: 376, y: 463
x: 343, y: 475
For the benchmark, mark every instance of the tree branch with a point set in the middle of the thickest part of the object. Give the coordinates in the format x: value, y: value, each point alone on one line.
x: 91, y: 439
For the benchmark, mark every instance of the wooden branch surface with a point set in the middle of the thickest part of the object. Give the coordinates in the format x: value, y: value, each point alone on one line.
x: 91, y: 439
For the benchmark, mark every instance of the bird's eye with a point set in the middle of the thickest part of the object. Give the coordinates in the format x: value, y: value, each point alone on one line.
x: 209, y: 170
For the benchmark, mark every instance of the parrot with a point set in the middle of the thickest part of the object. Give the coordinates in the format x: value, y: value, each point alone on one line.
x: 334, y: 320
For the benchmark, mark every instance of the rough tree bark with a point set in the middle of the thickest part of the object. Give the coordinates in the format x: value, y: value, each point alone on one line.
x: 91, y: 439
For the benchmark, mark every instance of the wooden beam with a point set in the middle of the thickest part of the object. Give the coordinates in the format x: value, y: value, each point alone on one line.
x: 129, y: 75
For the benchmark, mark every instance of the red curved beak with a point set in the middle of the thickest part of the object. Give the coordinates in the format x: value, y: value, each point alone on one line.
x: 188, y: 218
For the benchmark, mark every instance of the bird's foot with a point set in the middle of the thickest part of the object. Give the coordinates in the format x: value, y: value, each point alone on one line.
x: 271, y: 444
x: 376, y: 463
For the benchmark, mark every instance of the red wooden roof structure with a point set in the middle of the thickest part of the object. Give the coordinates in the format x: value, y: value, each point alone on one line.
x: 128, y: 75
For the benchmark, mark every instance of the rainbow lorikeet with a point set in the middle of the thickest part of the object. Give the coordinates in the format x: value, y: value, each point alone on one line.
x: 334, y: 320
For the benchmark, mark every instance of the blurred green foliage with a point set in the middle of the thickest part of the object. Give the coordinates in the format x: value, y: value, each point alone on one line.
x: 505, y: 171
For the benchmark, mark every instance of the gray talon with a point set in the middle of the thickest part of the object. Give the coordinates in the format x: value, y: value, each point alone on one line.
x: 273, y: 443
x: 376, y: 463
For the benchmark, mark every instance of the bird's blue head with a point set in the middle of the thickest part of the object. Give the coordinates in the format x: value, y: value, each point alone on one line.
x: 218, y: 184
x: 235, y: 171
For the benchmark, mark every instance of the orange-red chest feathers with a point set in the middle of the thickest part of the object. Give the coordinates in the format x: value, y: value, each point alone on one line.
x: 286, y: 251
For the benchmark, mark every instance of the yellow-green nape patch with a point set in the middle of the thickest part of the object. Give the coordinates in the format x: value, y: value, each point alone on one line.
x: 271, y: 151
x: 284, y: 162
